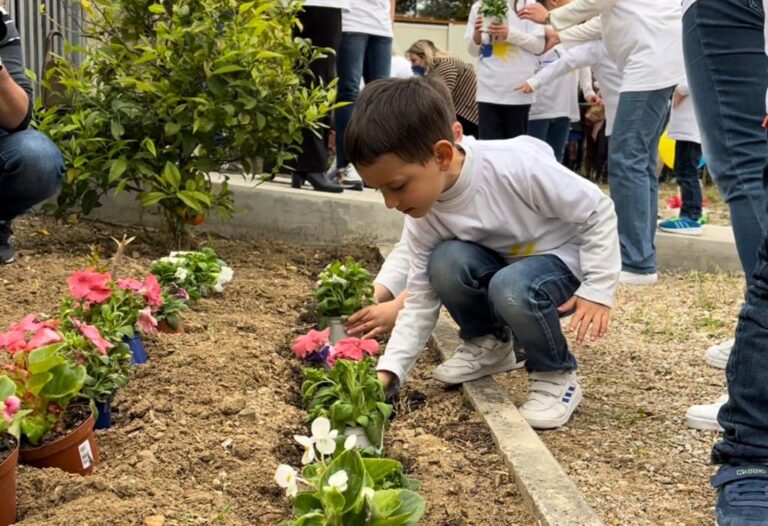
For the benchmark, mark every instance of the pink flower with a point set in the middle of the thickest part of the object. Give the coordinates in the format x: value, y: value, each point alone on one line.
x: 28, y: 324
x: 13, y: 341
x: 90, y: 285
x: 311, y: 342
x: 12, y: 406
x: 44, y: 336
x: 130, y: 284
x: 94, y: 336
x: 152, y: 292
x: 183, y: 294
x: 146, y: 322
x: 355, y: 349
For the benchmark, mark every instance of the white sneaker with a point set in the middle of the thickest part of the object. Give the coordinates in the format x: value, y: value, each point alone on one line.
x: 631, y: 278
x: 351, y: 175
x: 704, y: 417
x: 552, y: 398
x: 717, y: 355
x: 476, y: 358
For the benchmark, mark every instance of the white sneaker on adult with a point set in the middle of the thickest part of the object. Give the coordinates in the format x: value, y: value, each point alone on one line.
x: 476, y: 358
x: 717, y: 355
x: 631, y: 278
x: 552, y: 399
x: 704, y: 417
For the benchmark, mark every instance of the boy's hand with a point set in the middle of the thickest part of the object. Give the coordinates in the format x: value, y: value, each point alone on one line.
x: 478, y: 29
x: 551, y: 38
x: 386, y: 378
x: 373, y: 320
x: 587, y: 313
x: 498, y: 30
x: 534, y: 12
x: 525, y: 88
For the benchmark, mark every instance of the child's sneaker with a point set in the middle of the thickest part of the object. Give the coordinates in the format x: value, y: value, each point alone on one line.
x: 477, y: 358
x: 552, y: 399
x: 717, y: 355
x: 704, y: 417
x: 682, y: 225
x: 742, y: 495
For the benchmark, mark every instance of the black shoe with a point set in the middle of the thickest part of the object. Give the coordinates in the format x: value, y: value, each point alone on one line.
x: 353, y: 185
x: 7, y: 252
x: 317, y: 180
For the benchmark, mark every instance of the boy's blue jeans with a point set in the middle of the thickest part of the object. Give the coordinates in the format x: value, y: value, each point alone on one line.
x: 632, y: 174
x: 727, y: 71
x: 552, y: 131
x: 361, y: 56
x: 31, y: 171
x: 484, y: 294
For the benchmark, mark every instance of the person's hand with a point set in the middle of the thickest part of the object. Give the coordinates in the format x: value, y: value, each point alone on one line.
x: 478, y: 30
x: 677, y: 99
x: 525, y: 88
x: 498, y: 30
x: 386, y: 378
x: 551, y: 38
x: 373, y: 320
x: 586, y: 313
x: 595, y: 99
x: 534, y: 12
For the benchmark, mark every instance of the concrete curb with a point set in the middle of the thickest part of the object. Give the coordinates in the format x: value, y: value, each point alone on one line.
x: 552, y: 498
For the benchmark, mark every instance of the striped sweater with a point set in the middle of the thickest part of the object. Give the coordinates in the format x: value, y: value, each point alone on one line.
x: 461, y: 81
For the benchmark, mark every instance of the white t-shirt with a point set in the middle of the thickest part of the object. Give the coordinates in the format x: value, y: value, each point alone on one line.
x: 594, y: 55
x: 509, y: 198
x: 559, y: 97
x: 644, y: 38
x: 338, y: 4
x: 512, y: 62
x: 682, y: 121
x: 371, y: 17
x: 401, y: 67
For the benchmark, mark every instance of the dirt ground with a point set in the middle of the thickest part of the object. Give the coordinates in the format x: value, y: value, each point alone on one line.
x: 199, y: 431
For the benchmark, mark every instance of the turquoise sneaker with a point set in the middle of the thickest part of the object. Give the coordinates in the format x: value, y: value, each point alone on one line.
x: 682, y: 225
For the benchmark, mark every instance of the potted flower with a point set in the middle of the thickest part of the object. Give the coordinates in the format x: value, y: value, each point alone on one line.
x: 493, y: 11
x: 9, y: 450
x: 175, y: 301
x: 53, y: 432
x: 343, y: 488
x: 342, y: 289
x: 351, y: 397
x: 199, y: 273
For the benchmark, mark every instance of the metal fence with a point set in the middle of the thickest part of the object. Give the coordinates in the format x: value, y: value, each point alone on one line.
x: 34, y: 27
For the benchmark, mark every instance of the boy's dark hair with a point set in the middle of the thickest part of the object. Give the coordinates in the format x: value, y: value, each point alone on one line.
x: 405, y: 117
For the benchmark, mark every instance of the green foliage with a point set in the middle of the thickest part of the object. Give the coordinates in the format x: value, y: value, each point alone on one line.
x: 494, y: 9
x: 348, y: 394
x: 199, y: 273
x: 343, y: 289
x: 169, y: 91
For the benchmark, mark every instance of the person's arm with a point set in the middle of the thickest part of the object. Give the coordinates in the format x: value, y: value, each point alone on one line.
x: 576, y: 12
x: 571, y: 59
x: 394, y: 270
x: 15, y: 88
x: 533, y: 43
x: 473, y: 46
x: 585, y: 83
x: 592, y: 29
x: 392, y: 10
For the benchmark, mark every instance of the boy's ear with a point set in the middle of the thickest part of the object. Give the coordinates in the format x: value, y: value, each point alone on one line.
x: 444, y: 154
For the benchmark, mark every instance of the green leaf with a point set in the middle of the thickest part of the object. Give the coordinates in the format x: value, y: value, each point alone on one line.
x: 172, y: 175
x: 150, y: 198
x: 334, y: 500
x: 380, y: 468
x: 172, y: 128
x: 150, y: 145
x: 350, y: 462
x: 117, y: 130
x: 118, y: 168
x: 305, y: 503
x: 67, y: 380
x: 396, y: 507
x: 188, y: 199
x: 228, y: 69
x: 311, y: 519
x: 7, y: 387
x: 45, y: 358
x: 34, y: 428
x: 36, y: 382
x: 157, y: 9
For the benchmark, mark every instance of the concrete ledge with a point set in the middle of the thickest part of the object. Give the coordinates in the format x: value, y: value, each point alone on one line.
x: 552, y: 498
x: 712, y: 251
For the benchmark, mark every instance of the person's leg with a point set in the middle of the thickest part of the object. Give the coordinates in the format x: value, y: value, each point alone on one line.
x: 378, y: 59
x: 687, y: 157
x: 350, y: 70
x: 491, y: 125
x: 516, y: 121
x: 727, y: 71
x: 557, y: 135
x: 638, y: 119
x: 538, y: 128
x: 31, y: 171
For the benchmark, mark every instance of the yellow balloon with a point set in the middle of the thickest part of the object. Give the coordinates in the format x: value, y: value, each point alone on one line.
x: 667, y: 150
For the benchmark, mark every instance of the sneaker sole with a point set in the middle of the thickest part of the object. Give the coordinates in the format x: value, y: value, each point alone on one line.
x: 500, y: 368
x: 702, y: 424
x: 554, y: 424
x: 715, y: 362
x: 684, y: 231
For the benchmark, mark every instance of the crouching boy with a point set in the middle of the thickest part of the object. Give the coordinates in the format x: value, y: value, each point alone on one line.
x: 498, y: 232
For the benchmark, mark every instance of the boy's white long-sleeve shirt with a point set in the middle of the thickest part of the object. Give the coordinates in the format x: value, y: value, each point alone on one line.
x: 558, y: 98
x: 644, y: 37
x: 514, y: 198
x: 683, y: 125
x: 394, y: 271
x: 594, y: 55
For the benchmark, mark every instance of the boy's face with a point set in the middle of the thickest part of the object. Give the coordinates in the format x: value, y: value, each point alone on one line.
x: 411, y: 188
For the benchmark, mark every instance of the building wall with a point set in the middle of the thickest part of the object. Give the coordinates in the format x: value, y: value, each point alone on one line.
x: 449, y: 37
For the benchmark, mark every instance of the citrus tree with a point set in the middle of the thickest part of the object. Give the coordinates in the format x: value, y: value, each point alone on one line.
x: 167, y: 91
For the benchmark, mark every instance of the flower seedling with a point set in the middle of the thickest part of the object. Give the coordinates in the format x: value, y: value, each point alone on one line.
x: 343, y: 289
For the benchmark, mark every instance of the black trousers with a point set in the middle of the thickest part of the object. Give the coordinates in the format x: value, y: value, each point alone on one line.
x: 322, y: 25
x: 502, y: 121
x: 469, y: 127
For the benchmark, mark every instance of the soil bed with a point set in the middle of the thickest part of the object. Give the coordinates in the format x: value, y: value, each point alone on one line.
x: 200, y: 429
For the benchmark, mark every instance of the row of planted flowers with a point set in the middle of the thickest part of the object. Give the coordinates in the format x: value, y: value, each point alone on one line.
x: 345, y: 478
x: 59, y: 373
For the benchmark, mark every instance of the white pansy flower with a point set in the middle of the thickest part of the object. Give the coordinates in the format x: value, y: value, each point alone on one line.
x: 350, y: 442
x: 180, y: 253
x: 338, y: 481
x: 171, y: 259
x: 324, y: 436
x: 286, y: 477
x: 368, y: 493
x: 337, y: 279
x: 181, y: 274
x: 224, y: 277
x: 308, y: 443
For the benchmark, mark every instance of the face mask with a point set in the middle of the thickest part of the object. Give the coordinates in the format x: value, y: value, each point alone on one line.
x: 419, y: 70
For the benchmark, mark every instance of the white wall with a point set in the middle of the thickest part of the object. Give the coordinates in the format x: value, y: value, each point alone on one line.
x: 447, y: 37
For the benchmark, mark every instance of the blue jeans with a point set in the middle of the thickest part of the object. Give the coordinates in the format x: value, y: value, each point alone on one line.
x: 31, y: 171
x: 552, y: 131
x: 727, y: 72
x: 361, y: 56
x: 640, y: 118
x: 687, y: 157
x: 486, y: 295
